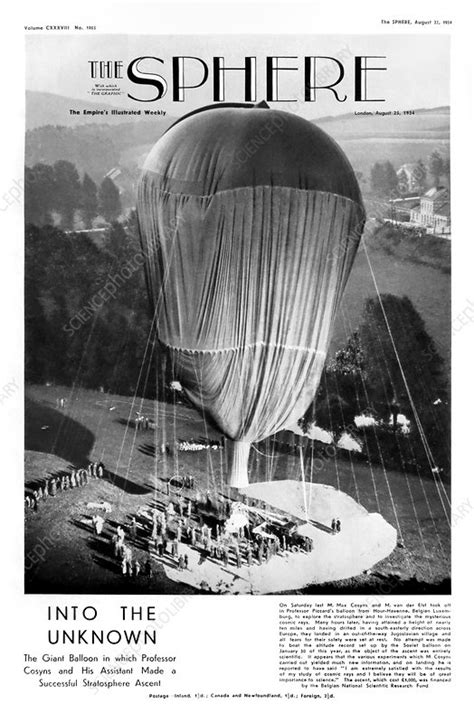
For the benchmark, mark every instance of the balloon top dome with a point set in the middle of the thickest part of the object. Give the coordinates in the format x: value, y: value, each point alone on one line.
x: 229, y: 146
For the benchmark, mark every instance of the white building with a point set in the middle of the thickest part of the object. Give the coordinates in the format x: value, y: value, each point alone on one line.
x: 433, y: 212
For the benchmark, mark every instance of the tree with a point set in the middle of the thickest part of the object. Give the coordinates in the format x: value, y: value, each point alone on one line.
x: 447, y: 168
x: 394, y: 337
x: 90, y: 205
x: 40, y: 194
x: 403, y: 186
x: 365, y: 375
x: 340, y: 395
x: 66, y: 310
x: 109, y: 200
x: 390, y: 178
x: 68, y: 192
x: 436, y: 165
x: 376, y: 177
x: 350, y: 359
x: 407, y: 333
x: 383, y: 178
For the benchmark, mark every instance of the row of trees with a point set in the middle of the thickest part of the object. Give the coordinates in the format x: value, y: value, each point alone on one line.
x: 59, y: 189
x: 384, y: 180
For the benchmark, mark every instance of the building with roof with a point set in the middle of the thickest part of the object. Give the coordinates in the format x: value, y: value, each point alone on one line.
x: 433, y: 211
x: 409, y: 178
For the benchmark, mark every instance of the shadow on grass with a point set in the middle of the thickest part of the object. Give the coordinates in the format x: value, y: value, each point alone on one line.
x: 132, y: 488
x: 52, y: 432
x: 148, y: 449
x: 107, y: 564
x: 126, y: 422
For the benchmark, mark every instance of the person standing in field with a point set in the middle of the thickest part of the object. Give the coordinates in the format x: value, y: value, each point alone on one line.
x: 98, y: 524
x: 133, y: 528
x: 174, y: 548
x: 117, y: 545
x: 249, y: 555
x: 148, y: 569
x: 129, y: 561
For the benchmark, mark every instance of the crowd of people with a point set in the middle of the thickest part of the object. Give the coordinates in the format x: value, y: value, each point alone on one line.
x: 175, y: 526
x: 179, y: 521
x: 51, y: 486
x: 143, y: 423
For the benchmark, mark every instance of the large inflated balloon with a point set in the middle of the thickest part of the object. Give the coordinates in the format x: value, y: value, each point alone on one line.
x: 250, y: 219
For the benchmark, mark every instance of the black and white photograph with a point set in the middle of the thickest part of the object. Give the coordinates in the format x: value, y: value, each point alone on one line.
x: 238, y: 316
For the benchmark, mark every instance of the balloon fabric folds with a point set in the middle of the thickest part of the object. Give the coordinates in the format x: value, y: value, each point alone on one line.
x: 250, y: 219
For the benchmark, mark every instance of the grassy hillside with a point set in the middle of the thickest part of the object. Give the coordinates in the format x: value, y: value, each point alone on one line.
x: 124, y: 141
x: 44, y: 109
x: 424, y: 122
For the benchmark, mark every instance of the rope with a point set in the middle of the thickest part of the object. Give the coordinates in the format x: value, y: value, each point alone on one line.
x: 382, y: 462
x: 303, y: 484
x: 426, y: 446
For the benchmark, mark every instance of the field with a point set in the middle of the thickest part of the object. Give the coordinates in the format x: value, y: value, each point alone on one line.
x: 363, y: 153
x: 399, y: 139
x: 64, y: 556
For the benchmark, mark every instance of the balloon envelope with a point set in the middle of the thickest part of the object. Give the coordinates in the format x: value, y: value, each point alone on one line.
x: 250, y: 219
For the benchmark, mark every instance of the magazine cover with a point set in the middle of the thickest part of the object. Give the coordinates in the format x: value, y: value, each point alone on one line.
x: 237, y: 308
x: 235, y: 372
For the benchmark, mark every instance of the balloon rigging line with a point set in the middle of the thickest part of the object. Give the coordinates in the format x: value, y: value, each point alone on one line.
x: 347, y: 323
x: 427, y: 394
x: 332, y: 429
x: 432, y: 517
x: 151, y: 332
x: 344, y: 425
x: 387, y: 481
x: 303, y: 482
x: 426, y: 446
x: 363, y: 430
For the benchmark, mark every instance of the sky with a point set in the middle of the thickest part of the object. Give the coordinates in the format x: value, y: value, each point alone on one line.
x: 416, y: 75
